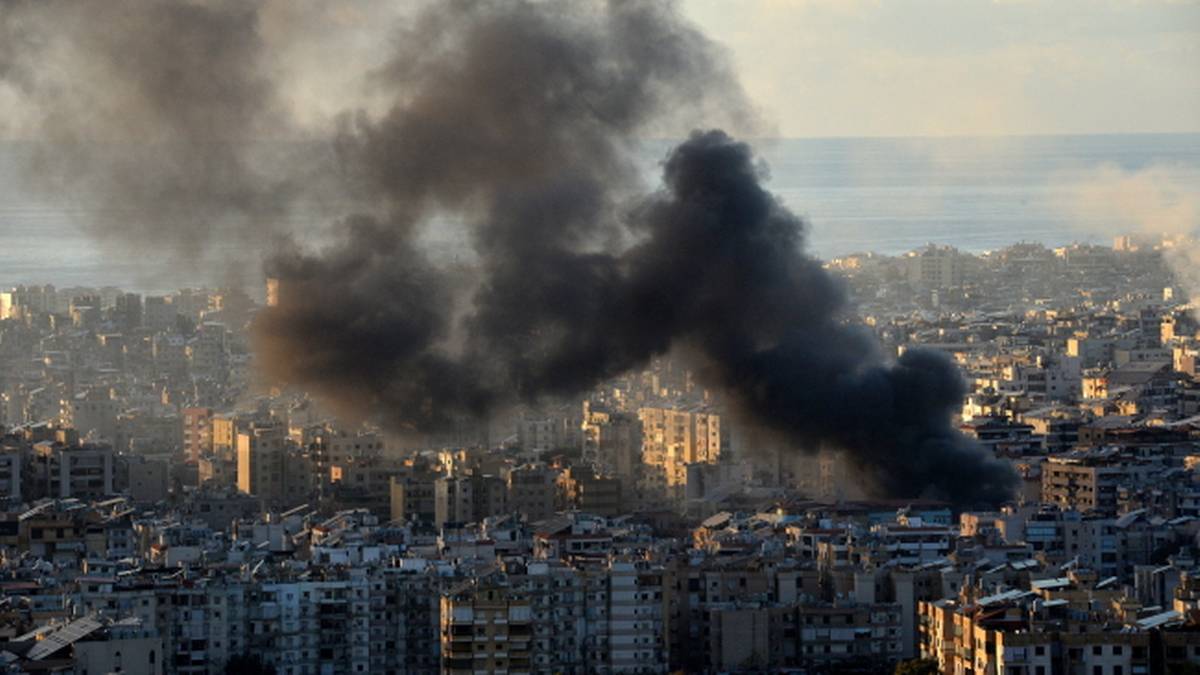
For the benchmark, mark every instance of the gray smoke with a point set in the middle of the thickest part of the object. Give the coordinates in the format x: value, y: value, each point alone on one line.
x: 151, y: 118
x: 514, y: 128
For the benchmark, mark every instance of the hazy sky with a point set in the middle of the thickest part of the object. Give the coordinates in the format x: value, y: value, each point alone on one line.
x: 937, y: 67
x: 841, y: 67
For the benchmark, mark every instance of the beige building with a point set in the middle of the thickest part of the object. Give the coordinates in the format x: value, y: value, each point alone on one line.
x: 93, y: 412
x: 262, y: 463
x: 197, y: 433
x: 584, y: 491
x: 612, y: 442
x: 224, y: 435
x: 1001, y: 634
x: 411, y: 495
x: 673, y: 439
x: 216, y: 470
x: 1089, y: 482
x: 936, y: 267
x: 485, y: 630
x: 336, y: 447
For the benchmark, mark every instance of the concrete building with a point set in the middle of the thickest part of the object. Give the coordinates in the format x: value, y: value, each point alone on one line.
x: 532, y: 491
x: 413, y: 497
x: 612, y: 443
x: 11, y: 474
x: 83, y: 472
x: 539, y: 434
x: 125, y: 646
x: 936, y: 267
x: 262, y: 458
x: 485, y: 629
x: 1018, y: 632
x: 197, y: 433
x: 147, y: 479
x: 585, y: 491
x: 468, y: 499
x: 1088, y: 481
x: 673, y: 439
x: 93, y: 413
x: 338, y: 447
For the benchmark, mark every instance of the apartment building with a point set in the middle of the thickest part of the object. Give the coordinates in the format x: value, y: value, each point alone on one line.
x: 1089, y: 480
x: 485, y: 628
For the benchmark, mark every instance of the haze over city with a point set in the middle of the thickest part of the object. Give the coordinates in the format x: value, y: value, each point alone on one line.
x: 526, y: 336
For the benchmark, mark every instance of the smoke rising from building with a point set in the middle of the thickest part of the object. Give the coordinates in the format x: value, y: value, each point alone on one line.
x: 516, y: 125
x: 1158, y: 204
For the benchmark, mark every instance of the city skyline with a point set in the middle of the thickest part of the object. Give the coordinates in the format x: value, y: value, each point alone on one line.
x: 515, y: 336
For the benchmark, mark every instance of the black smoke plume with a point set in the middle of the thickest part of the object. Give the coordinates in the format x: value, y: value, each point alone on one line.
x: 519, y: 120
x: 513, y: 129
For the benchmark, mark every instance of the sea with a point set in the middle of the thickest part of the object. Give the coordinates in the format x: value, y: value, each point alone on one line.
x: 884, y: 195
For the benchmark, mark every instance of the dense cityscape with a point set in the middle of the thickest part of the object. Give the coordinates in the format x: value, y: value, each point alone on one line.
x: 817, y: 337
x: 166, y: 511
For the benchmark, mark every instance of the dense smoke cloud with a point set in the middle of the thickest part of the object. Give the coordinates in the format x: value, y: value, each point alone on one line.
x: 770, y: 324
x: 518, y: 119
x: 514, y: 126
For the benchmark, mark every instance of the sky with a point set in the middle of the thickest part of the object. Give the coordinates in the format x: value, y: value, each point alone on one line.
x: 821, y: 68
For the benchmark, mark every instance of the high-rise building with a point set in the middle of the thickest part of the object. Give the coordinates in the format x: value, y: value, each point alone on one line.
x: 197, y: 433
x: 412, y: 497
x: 262, y: 463
x: 10, y: 474
x: 485, y: 629
x: 158, y: 313
x: 937, y: 267
x: 612, y: 442
x: 127, y: 311
x: 673, y: 439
